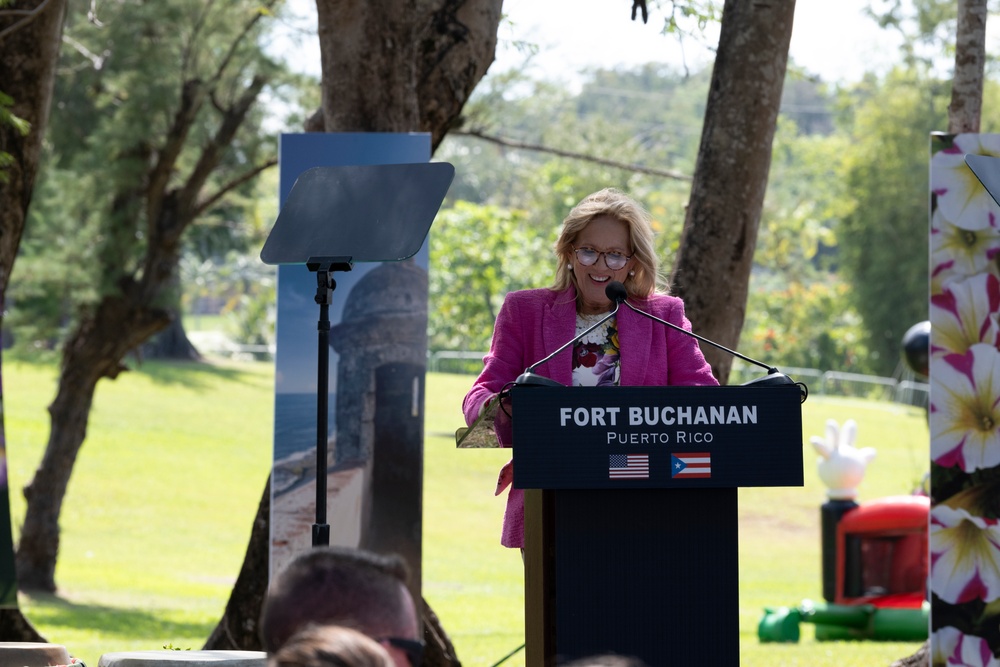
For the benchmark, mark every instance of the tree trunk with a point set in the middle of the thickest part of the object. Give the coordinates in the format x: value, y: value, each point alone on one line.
x: 238, y: 629
x: 28, y: 55
x: 94, y: 351
x: 402, y: 65
x: 712, y: 270
x: 922, y: 658
x: 29, y: 49
x: 172, y: 342
x: 438, y: 651
x: 970, y: 59
x: 14, y: 627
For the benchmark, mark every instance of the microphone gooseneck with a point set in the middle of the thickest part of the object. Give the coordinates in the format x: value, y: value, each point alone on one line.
x: 617, y: 293
x: 530, y: 378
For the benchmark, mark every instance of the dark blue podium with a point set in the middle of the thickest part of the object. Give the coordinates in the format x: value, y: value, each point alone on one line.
x: 631, y: 527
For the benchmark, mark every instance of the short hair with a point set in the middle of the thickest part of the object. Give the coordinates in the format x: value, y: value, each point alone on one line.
x: 616, y: 204
x: 338, y: 586
x: 330, y: 646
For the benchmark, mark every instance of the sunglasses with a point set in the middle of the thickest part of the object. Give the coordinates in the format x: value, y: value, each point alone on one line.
x: 413, y: 648
x: 589, y: 257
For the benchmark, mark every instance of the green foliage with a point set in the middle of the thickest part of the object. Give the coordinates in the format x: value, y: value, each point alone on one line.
x: 478, y: 254
x: 252, y: 317
x: 688, y: 20
x: 703, y: 13
x: 221, y: 271
x: 797, y: 312
x: 883, y: 237
x: 8, y: 118
x: 804, y: 200
x: 652, y: 115
x: 804, y: 325
x: 55, y: 270
x: 239, y: 287
x: 123, y: 78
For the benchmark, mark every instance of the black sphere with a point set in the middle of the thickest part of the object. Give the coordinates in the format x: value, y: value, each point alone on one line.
x: 917, y: 347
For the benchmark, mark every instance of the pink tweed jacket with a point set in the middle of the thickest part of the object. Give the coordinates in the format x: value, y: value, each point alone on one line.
x: 533, y: 323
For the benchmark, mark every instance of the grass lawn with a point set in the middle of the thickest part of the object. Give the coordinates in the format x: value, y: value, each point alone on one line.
x: 158, y: 513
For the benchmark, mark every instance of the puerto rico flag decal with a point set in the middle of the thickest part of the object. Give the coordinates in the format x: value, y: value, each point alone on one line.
x: 691, y: 465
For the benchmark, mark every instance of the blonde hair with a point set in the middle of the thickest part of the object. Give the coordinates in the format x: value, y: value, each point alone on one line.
x: 330, y: 646
x: 616, y: 204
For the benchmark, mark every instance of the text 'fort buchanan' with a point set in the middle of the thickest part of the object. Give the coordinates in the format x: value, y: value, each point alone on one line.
x: 656, y: 437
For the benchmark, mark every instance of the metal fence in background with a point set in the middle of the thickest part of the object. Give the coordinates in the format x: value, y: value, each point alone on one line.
x: 823, y: 383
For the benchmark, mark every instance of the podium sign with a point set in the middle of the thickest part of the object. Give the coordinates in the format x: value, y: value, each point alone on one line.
x: 670, y: 437
x: 631, y: 514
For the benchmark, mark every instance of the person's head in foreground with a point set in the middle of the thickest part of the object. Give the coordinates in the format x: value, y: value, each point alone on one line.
x: 605, y: 660
x: 330, y: 646
x: 607, y: 236
x: 347, y: 587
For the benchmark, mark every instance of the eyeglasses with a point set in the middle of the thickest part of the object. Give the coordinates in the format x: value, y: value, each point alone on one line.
x: 614, y: 260
x: 413, y: 648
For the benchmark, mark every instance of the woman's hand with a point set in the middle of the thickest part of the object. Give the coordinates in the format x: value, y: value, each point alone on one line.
x: 505, y: 478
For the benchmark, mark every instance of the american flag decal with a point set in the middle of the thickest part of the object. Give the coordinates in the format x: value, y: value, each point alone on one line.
x: 691, y: 465
x: 629, y: 466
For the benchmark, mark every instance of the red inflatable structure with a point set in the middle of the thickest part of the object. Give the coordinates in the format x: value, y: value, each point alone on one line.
x: 882, y: 553
x: 875, y: 582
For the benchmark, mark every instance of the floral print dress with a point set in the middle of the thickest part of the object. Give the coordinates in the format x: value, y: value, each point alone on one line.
x: 596, y: 356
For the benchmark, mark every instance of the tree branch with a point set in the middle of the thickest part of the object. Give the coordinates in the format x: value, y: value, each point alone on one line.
x: 192, y: 96
x: 210, y: 201
x: 538, y: 148
x: 265, y: 9
x: 29, y: 16
x: 211, y: 152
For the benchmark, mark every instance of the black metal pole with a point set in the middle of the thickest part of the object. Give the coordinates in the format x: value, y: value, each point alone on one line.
x: 325, y: 284
x: 324, y: 293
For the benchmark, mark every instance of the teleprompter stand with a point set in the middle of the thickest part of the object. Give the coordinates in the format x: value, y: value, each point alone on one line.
x: 631, y: 526
x: 336, y: 216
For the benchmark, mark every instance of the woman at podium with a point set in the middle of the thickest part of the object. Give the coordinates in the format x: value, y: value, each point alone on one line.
x: 606, y: 238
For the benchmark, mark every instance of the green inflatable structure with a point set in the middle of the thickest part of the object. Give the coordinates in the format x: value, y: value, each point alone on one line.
x: 839, y: 622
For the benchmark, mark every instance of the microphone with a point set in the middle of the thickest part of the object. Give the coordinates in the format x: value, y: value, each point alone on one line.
x: 774, y: 378
x: 617, y: 293
x: 529, y: 378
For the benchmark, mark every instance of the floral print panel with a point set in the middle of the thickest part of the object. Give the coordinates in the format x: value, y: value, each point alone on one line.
x: 595, y: 356
x: 964, y: 406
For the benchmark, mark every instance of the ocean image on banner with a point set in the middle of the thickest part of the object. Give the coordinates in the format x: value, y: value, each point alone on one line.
x: 295, y: 423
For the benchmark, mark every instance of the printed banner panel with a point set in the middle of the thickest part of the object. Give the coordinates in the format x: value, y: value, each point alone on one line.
x: 377, y: 361
x: 964, y: 405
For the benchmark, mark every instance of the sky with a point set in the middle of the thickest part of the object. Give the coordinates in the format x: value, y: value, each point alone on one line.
x: 830, y: 38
